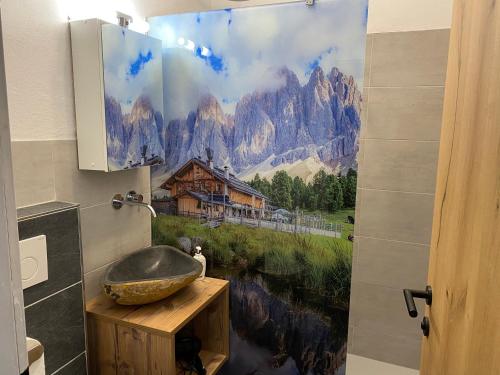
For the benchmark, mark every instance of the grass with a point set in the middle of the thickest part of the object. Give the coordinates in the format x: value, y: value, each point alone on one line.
x: 319, y: 262
x: 337, y: 217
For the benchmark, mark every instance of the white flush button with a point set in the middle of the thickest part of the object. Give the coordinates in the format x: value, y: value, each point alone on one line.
x: 34, y: 268
x: 29, y: 268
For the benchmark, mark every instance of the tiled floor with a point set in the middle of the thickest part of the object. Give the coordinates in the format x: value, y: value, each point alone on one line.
x: 364, y: 366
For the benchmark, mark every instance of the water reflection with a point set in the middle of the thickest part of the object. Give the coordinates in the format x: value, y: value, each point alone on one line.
x: 279, y: 328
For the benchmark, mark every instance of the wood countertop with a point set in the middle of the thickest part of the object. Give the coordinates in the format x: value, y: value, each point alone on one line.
x: 167, y: 316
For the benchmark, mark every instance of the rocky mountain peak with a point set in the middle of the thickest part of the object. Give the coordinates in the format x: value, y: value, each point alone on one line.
x: 345, y: 87
x: 209, y: 109
x: 285, y: 125
x: 142, y: 110
x: 289, y: 76
x: 320, y: 84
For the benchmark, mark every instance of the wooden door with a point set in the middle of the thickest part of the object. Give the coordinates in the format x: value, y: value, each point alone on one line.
x: 465, y: 248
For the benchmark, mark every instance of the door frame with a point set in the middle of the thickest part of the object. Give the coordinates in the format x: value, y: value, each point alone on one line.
x: 13, y: 356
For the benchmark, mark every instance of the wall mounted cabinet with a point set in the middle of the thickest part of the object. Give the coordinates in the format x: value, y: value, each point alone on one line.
x: 118, y: 96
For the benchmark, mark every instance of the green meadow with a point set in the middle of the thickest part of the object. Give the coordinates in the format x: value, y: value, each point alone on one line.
x: 337, y: 217
x: 318, y: 262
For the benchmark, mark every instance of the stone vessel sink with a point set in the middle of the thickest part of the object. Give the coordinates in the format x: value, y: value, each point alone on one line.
x: 150, y: 275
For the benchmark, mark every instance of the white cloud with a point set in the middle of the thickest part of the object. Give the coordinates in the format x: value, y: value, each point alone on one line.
x: 251, y: 41
x: 121, y: 48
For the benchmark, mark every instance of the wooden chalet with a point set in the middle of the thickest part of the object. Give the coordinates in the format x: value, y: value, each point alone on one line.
x: 199, y: 188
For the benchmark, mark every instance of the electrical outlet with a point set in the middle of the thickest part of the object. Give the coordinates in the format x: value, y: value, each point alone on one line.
x: 309, y: 2
x: 34, y: 267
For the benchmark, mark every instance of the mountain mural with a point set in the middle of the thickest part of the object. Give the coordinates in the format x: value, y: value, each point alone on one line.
x: 133, y: 98
x: 293, y: 126
x: 127, y: 134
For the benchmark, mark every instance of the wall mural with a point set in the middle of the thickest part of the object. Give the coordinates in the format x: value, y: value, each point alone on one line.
x: 133, y: 90
x: 262, y: 120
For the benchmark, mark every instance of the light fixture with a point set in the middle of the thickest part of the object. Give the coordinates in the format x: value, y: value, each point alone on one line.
x: 108, y: 11
x: 124, y: 19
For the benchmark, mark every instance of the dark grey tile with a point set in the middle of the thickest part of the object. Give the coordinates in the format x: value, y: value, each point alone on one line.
x: 63, y: 251
x: 77, y: 367
x: 58, y: 323
x: 43, y: 209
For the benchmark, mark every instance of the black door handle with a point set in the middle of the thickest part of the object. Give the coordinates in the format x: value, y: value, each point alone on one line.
x: 410, y: 294
x: 426, y: 326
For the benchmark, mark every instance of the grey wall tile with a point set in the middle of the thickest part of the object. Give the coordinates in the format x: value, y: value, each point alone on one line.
x: 359, y: 199
x: 33, y: 172
x: 58, y: 323
x: 364, y: 114
x: 361, y: 162
x: 63, y: 251
x: 413, y: 113
x: 90, y: 188
x: 109, y: 234
x: 398, y: 216
x: 403, y: 99
x: 399, y: 165
x: 101, y: 244
x: 383, y: 308
x: 93, y: 282
x: 391, y: 263
x: 414, y: 58
x: 368, y: 60
x: 377, y: 344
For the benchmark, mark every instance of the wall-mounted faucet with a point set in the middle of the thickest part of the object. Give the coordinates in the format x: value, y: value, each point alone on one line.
x: 131, y: 199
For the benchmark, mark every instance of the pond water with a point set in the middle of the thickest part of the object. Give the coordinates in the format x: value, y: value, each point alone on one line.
x: 280, y: 328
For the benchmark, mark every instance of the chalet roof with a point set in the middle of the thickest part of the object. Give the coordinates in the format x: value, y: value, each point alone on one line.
x: 233, y: 181
x: 208, y: 198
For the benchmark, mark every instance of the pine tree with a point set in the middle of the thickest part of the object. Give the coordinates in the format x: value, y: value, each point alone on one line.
x: 334, y: 197
x: 281, y: 190
x: 298, y: 193
x: 319, y: 186
x: 349, y: 188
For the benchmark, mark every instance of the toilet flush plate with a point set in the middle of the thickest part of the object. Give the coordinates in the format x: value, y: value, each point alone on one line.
x: 34, y: 268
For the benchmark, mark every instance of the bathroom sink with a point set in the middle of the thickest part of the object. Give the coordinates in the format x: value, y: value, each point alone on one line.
x: 150, y: 275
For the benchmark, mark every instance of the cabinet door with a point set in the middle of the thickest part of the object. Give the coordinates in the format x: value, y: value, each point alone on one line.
x: 133, y: 98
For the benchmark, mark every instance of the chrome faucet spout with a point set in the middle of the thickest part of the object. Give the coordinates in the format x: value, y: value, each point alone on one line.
x: 132, y: 199
x: 150, y: 208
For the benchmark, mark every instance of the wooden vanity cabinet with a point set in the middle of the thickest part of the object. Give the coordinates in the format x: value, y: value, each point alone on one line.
x: 140, y: 340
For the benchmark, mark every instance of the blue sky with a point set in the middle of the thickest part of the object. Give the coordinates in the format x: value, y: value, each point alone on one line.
x: 230, y: 53
x: 137, y: 65
x: 132, y: 66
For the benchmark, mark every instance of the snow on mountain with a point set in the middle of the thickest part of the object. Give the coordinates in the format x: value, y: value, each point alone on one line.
x: 303, y: 168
